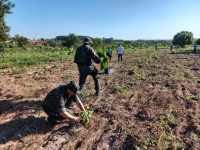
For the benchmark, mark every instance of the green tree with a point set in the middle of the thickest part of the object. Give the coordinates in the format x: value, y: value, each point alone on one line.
x: 183, y: 38
x: 5, y: 8
x: 20, y: 40
x: 97, y: 43
x: 71, y: 41
x: 53, y: 43
x: 198, y: 41
x: 108, y: 40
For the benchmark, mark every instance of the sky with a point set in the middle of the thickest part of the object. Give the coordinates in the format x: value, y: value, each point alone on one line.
x: 119, y: 19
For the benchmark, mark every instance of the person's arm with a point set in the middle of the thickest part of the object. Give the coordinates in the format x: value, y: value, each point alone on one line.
x: 62, y: 111
x: 80, y: 105
x: 67, y: 115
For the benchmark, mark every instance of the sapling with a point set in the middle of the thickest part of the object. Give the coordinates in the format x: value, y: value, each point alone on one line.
x: 104, y: 62
x: 85, y: 115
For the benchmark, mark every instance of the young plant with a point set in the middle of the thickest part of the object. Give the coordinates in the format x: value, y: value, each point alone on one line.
x: 104, y: 63
x: 85, y: 115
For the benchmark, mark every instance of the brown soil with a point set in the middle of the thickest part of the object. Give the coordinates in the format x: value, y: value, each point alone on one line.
x: 155, y: 106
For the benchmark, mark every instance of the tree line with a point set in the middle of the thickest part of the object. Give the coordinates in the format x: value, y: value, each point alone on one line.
x: 73, y: 41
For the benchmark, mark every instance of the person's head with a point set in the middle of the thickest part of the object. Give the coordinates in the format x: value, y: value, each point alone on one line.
x: 87, y: 40
x: 72, y: 88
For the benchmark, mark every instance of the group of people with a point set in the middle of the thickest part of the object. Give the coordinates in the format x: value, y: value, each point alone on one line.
x: 59, y: 101
x: 120, y: 52
x: 172, y: 46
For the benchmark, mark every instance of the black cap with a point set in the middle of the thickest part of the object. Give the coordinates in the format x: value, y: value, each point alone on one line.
x: 73, y: 86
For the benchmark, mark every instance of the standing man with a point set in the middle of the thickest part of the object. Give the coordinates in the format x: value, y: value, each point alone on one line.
x: 59, y: 102
x: 120, y: 51
x: 84, y: 57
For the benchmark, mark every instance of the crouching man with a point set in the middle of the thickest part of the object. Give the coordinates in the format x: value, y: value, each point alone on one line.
x: 59, y: 102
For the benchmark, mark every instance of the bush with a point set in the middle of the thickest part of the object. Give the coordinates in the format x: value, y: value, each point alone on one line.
x: 183, y: 38
x: 198, y: 41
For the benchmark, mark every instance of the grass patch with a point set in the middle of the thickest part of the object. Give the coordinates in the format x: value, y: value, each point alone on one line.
x: 25, y: 57
x: 19, y: 71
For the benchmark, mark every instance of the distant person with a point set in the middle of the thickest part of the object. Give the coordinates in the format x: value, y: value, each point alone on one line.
x: 120, y: 52
x: 59, y: 102
x: 109, y: 53
x: 171, y: 47
x: 84, y: 57
x: 195, y: 47
x: 156, y: 47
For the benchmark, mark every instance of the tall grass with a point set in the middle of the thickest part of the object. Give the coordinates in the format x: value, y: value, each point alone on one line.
x: 22, y: 58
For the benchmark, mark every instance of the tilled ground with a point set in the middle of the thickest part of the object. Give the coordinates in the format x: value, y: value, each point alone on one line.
x: 151, y: 101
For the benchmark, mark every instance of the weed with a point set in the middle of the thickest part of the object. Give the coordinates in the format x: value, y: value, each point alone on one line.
x: 171, y: 120
x: 143, y: 76
x: 194, y: 98
x: 119, y: 89
x: 135, y: 68
x: 160, y: 135
x: 131, y: 82
x: 149, y: 142
x: 19, y: 71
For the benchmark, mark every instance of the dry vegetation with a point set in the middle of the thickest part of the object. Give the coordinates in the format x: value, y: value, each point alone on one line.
x: 150, y: 102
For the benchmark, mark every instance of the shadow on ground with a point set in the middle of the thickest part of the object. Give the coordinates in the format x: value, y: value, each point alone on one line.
x: 19, y: 128
x: 14, y: 106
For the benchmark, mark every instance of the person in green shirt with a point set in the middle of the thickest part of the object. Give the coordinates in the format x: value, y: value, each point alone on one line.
x: 195, y: 47
x: 109, y: 53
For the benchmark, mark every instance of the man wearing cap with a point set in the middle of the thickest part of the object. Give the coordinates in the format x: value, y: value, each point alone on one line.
x: 59, y: 102
x: 84, y: 57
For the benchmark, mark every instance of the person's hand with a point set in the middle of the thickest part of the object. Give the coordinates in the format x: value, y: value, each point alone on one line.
x: 76, y: 119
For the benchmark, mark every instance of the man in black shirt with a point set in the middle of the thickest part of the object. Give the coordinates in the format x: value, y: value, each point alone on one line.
x: 59, y: 102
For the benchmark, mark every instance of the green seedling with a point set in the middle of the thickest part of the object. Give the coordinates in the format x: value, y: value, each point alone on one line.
x: 85, y: 115
x: 104, y: 63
